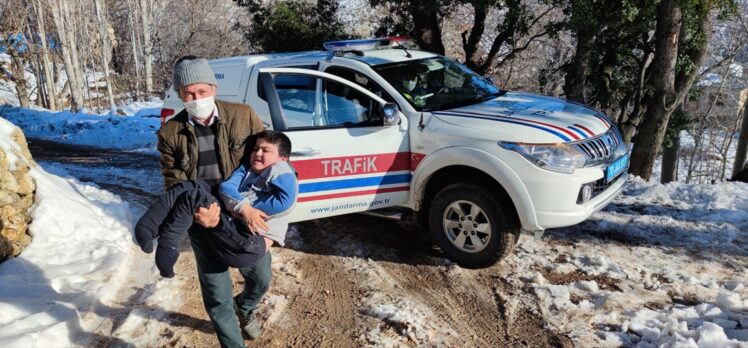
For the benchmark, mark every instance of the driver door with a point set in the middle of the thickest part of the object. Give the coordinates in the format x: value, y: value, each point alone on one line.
x: 347, y: 158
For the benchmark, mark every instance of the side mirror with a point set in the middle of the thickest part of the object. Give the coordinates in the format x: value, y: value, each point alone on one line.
x: 390, y: 115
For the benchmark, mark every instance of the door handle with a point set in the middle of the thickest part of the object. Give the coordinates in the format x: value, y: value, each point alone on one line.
x: 305, y: 153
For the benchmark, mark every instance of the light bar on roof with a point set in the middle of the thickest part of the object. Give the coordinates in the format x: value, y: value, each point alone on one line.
x: 367, y: 44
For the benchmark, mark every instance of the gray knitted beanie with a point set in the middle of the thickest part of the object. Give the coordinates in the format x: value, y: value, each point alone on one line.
x: 191, y: 71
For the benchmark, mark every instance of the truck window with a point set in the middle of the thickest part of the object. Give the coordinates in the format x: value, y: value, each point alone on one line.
x: 289, y: 79
x: 361, y: 79
x: 331, y: 105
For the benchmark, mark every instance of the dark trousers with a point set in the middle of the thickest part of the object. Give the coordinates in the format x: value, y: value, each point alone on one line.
x: 216, y: 288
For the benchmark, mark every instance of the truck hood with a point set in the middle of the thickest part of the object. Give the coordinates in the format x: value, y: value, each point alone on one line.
x: 530, y: 118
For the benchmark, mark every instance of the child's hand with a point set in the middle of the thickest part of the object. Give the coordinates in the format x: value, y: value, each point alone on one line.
x: 255, y: 219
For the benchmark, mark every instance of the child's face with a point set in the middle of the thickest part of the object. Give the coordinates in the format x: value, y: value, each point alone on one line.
x: 264, y: 155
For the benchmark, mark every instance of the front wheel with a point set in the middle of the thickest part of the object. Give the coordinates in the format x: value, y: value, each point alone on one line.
x: 471, y: 226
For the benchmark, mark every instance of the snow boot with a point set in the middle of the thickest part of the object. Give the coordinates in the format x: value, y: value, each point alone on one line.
x: 248, y: 323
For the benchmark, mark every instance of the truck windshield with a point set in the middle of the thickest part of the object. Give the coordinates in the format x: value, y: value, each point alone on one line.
x: 437, y: 83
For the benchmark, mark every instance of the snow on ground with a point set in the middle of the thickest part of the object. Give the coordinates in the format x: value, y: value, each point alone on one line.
x: 663, y: 265
x: 70, y: 268
x: 709, y: 164
x: 135, y: 131
x: 68, y: 283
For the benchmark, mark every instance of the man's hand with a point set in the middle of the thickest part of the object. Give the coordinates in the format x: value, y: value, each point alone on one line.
x: 255, y: 219
x: 208, y: 217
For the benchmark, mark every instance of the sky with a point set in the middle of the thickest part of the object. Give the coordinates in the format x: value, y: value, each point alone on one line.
x: 676, y: 255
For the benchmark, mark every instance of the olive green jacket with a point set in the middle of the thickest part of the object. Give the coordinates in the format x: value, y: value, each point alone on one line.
x: 177, y: 142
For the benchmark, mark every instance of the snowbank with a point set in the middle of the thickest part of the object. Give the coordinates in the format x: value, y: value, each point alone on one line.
x: 136, y: 131
x: 51, y: 293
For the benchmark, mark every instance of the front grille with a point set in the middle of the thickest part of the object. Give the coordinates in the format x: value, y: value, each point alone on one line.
x: 600, y: 148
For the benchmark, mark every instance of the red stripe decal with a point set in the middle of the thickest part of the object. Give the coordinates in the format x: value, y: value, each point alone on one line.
x: 351, y: 165
x: 585, y: 129
x: 354, y: 193
x: 568, y: 132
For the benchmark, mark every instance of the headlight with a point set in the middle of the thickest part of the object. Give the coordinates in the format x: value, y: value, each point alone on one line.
x: 558, y: 158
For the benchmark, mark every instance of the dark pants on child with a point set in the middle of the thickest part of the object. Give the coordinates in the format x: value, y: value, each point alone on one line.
x: 216, y: 287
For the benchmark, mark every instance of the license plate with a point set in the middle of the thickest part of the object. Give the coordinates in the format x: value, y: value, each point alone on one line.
x: 616, y: 168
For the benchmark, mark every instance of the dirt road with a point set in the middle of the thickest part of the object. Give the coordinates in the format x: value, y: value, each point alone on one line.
x: 358, y: 280
x: 347, y: 281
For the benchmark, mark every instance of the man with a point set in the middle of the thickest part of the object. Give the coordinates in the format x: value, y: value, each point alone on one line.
x: 412, y: 87
x: 208, y: 140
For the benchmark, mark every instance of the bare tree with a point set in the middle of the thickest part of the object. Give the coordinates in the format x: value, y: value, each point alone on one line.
x: 106, y: 49
x: 146, y: 7
x: 67, y: 46
x: 670, y: 86
x: 742, y: 149
x: 12, y: 24
x: 49, y: 82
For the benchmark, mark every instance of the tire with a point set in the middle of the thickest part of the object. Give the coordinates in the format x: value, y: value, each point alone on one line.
x: 471, y: 226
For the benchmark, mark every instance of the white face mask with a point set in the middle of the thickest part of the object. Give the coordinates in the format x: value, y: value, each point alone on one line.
x: 409, y: 85
x: 201, y: 109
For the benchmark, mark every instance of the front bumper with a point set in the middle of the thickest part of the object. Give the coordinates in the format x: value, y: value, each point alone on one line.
x: 554, y: 195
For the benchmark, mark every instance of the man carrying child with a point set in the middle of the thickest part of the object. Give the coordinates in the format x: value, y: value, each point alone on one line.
x: 208, y: 141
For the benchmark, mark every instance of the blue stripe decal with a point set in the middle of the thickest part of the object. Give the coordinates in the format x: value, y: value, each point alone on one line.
x: 354, y: 183
x: 563, y: 137
x: 580, y: 132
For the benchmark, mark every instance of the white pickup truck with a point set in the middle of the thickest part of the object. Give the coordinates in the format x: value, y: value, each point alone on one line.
x: 474, y: 164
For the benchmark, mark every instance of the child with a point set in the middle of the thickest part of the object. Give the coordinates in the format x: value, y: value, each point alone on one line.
x: 260, y: 194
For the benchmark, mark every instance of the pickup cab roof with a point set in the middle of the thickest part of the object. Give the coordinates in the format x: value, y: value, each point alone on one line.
x: 370, y: 57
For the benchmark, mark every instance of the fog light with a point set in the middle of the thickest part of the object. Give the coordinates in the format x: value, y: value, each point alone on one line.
x: 586, y: 193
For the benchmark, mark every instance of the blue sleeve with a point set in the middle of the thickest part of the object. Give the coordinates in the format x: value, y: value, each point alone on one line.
x: 229, y: 189
x: 282, y: 197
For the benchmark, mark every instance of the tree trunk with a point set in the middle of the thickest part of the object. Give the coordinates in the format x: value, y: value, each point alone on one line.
x: 145, y: 18
x: 471, y: 44
x: 742, y: 150
x: 48, y: 78
x: 670, y: 161
x: 41, y: 94
x: 135, y: 49
x: 426, y: 30
x: 631, y: 122
x: 106, y: 49
x: 72, y: 26
x: 574, y: 88
x: 669, y: 88
x: 64, y: 37
x: 609, y: 62
x: 16, y: 68
x: 34, y: 61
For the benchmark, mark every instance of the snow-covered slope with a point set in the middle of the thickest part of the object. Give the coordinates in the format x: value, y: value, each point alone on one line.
x: 81, y: 242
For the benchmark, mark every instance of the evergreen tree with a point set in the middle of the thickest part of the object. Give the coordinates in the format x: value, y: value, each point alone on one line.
x: 292, y: 25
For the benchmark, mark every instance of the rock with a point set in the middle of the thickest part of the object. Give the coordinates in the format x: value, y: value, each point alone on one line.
x: 3, y: 160
x: 16, y: 197
x: 24, y: 204
x: 20, y: 244
x: 19, y: 138
x: 8, y: 198
x: 13, y: 224
x: 6, y: 249
x: 7, y: 181
x: 26, y: 184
